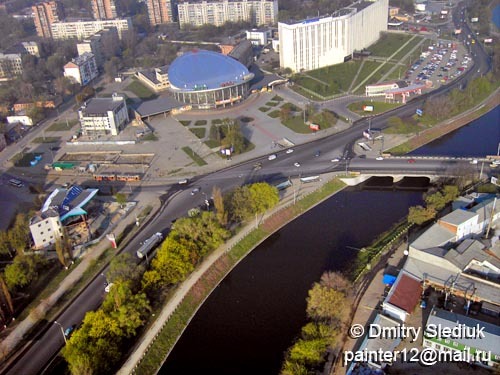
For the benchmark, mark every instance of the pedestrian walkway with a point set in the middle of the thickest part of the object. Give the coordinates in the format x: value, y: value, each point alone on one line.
x: 15, y: 337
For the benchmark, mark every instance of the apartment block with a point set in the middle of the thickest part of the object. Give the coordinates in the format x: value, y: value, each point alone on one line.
x: 11, y: 65
x: 257, y: 12
x: 159, y: 11
x: 82, y: 69
x: 104, y: 9
x: 95, y: 44
x: 85, y: 29
x: 45, y: 14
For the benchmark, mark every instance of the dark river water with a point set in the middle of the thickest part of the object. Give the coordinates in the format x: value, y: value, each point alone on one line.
x: 255, y: 314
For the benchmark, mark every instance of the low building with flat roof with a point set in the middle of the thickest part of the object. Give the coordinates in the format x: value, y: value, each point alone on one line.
x: 403, y: 297
x: 156, y: 78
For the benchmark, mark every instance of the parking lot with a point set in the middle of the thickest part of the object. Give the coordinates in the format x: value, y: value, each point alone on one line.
x: 442, y: 62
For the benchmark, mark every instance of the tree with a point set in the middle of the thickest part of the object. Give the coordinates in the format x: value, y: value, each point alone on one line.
x: 172, y: 262
x: 308, y: 352
x: 436, y: 201
x: 121, y: 199
x: 239, y: 204
x: 36, y: 114
x: 61, y: 253
x: 18, y: 234
x: 325, y: 303
x: 262, y: 197
x: 337, y: 281
x: 285, y: 113
x: 21, y: 272
x: 4, y: 244
x: 124, y: 268
x: 220, y: 211
x: 419, y: 215
x: 450, y: 192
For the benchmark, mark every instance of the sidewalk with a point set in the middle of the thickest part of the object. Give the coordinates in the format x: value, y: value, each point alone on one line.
x: 171, y: 305
x: 37, y: 314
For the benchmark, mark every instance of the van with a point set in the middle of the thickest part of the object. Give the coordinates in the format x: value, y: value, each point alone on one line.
x: 272, y: 157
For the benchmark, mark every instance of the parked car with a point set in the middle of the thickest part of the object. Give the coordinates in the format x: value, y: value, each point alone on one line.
x: 297, y: 164
x: 272, y: 157
x: 195, y: 190
x: 68, y: 331
x: 183, y: 181
x: 289, y: 151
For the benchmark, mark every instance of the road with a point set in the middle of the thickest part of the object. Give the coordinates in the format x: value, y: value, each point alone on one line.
x: 179, y: 199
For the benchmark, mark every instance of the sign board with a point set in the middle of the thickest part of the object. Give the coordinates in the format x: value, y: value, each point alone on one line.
x: 368, y: 108
x: 494, y: 180
x: 488, y: 40
x: 419, y: 112
x: 313, y: 126
x: 474, y: 19
x: 112, y: 239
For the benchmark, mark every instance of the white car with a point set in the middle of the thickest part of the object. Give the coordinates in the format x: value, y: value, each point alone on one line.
x: 379, y: 158
x: 289, y: 151
x: 473, y: 161
x: 272, y: 157
x: 336, y: 160
x: 297, y: 164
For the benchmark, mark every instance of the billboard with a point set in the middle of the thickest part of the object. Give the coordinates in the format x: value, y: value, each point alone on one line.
x: 368, y: 108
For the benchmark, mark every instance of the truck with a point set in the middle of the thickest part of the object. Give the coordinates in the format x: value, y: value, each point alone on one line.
x: 149, y: 244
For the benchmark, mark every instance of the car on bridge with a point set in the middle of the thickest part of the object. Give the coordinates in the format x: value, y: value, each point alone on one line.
x: 411, y: 161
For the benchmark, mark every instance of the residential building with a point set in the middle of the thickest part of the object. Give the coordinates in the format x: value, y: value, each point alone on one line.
x: 82, y: 69
x: 20, y: 118
x: 46, y: 229
x: 218, y: 12
x: 481, y: 342
x: 322, y: 41
x: 403, y: 297
x: 45, y: 14
x: 31, y: 48
x: 104, y: 9
x: 85, y: 29
x: 97, y: 42
x: 11, y: 65
x: 103, y: 116
x: 159, y: 11
x: 156, y: 78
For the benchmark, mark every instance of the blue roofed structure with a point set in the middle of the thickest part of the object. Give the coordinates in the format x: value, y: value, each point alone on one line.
x: 69, y: 202
x: 206, y: 79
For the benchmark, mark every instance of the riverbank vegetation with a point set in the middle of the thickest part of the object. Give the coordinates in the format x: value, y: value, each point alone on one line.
x: 434, y: 202
x: 134, y: 291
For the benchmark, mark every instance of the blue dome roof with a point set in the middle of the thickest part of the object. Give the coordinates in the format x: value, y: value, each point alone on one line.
x: 206, y: 70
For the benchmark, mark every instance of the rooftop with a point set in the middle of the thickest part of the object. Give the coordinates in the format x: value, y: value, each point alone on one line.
x: 69, y: 202
x: 435, y: 236
x: 458, y: 217
x: 97, y: 106
x: 405, y: 293
x: 157, y: 106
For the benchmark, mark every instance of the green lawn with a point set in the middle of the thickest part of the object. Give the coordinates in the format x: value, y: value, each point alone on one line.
x: 62, y: 126
x: 274, y: 114
x: 404, y: 128
x: 374, y: 78
x: 277, y: 98
x: 329, y: 80
x: 272, y: 104
x: 388, y: 44
x: 140, y: 90
x: 46, y: 140
x: 368, y: 67
x: 297, y: 125
x: 200, y: 122
x: 199, y: 132
x: 193, y: 155
x: 378, y: 107
x: 185, y: 122
x: 408, y: 48
x: 217, y: 121
x: 150, y: 137
x: 263, y: 109
x: 212, y: 143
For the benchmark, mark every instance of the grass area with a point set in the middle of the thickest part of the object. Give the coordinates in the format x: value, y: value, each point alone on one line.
x: 200, y: 122
x: 329, y: 80
x: 272, y: 104
x: 150, y: 137
x: 185, y: 122
x: 408, y: 48
x: 140, y: 90
x: 193, y: 155
x: 274, y: 114
x: 264, y: 109
x: 212, y: 143
x: 62, y: 126
x: 199, y: 132
x: 403, y: 128
x: 23, y: 159
x: 368, y: 67
x: 375, y: 77
x: 388, y: 44
x: 291, y: 107
x: 296, y: 124
x: 378, y: 107
x: 217, y: 121
x: 46, y: 140
x: 277, y: 98
x: 398, y: 73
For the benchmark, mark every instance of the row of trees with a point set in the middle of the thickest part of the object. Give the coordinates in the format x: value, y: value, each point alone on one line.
x: 97, y: 346
x: 434, y: 202
x: 328, y: 304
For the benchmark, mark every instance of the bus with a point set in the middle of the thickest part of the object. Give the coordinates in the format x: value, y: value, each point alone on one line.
x: 16, y: 183
x: 309, y: 179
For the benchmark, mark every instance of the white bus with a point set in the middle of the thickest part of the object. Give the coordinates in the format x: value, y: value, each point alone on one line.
x: 16, y: 183
x: 309, y: 179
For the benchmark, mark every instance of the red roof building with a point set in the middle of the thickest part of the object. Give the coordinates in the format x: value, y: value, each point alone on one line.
x: 403, y: 296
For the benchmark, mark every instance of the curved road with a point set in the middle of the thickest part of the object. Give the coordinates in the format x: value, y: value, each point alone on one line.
x: 179, y: 201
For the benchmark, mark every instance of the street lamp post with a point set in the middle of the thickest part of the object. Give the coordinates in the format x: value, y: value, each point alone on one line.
x: 62, y: 331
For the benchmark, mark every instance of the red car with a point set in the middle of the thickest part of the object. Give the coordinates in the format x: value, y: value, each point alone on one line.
x: 411, y: 161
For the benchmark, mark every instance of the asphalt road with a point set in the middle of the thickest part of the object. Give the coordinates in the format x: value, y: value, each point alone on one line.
x: 179, y: 199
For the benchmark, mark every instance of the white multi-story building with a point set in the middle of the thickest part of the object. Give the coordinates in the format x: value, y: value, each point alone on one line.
x: 31, y: 48
x: 258, y: 37
x: 46, y: 228
x: 82, y: 69
x: 218, y: 12
x: 94, y: 44
x: 85, y: 29
x: 323, y: 41
x: 103, y: 116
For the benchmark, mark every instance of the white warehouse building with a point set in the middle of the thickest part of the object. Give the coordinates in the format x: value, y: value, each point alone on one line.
x: 323, y: 41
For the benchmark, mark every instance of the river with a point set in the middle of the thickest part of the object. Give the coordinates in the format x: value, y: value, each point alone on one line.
x: 257, y: 311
